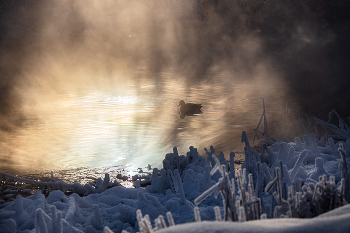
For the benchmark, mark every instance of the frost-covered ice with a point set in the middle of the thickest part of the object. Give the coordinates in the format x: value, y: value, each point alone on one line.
x: 286, y: 187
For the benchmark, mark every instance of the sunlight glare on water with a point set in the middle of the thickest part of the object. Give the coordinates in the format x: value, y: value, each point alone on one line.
x: 132, y: 126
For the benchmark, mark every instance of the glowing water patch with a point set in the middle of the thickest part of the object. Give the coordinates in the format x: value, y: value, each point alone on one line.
x: 107, y: 99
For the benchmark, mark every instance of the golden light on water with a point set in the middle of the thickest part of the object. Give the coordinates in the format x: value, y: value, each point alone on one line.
x: 132, y: 120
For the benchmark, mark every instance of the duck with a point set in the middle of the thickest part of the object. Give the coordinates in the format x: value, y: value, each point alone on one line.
x: 189, y: 109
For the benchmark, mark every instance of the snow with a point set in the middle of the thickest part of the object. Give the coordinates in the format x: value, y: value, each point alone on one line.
x: 286, y: 187
x: 339, y: 223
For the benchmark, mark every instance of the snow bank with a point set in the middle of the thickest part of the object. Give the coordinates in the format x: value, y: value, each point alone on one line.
x: 330, y: 223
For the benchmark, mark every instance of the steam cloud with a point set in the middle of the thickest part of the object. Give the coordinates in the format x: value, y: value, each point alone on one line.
x: 304, y: 44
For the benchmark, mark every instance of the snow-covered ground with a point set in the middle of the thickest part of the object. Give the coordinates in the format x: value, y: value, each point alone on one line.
x: 329, y: 222
x: 285, y: 187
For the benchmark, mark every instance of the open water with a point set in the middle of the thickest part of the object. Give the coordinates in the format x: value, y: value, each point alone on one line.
x: 134, y: 123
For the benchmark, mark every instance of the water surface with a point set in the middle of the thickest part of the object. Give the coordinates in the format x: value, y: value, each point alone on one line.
x: 134, y: 123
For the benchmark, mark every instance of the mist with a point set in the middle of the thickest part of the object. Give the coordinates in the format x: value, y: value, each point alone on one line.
x: 301, y: 47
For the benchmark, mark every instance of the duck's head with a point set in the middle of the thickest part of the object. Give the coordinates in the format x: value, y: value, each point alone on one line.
x: 181, y: 103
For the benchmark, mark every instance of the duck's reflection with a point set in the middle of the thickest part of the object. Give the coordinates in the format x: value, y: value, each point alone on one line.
x: 189, y: 109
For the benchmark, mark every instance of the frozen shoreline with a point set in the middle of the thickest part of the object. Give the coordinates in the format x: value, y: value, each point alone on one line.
x: 284, y: 180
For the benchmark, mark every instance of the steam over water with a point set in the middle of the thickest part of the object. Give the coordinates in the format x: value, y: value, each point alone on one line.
x: 133, y: 124
x: 90, y: 83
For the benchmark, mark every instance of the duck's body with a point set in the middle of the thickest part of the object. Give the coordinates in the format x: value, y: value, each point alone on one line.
x: 189, y: 109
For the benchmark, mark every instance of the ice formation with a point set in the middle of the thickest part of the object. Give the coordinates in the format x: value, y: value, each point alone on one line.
x: 301, y: 179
